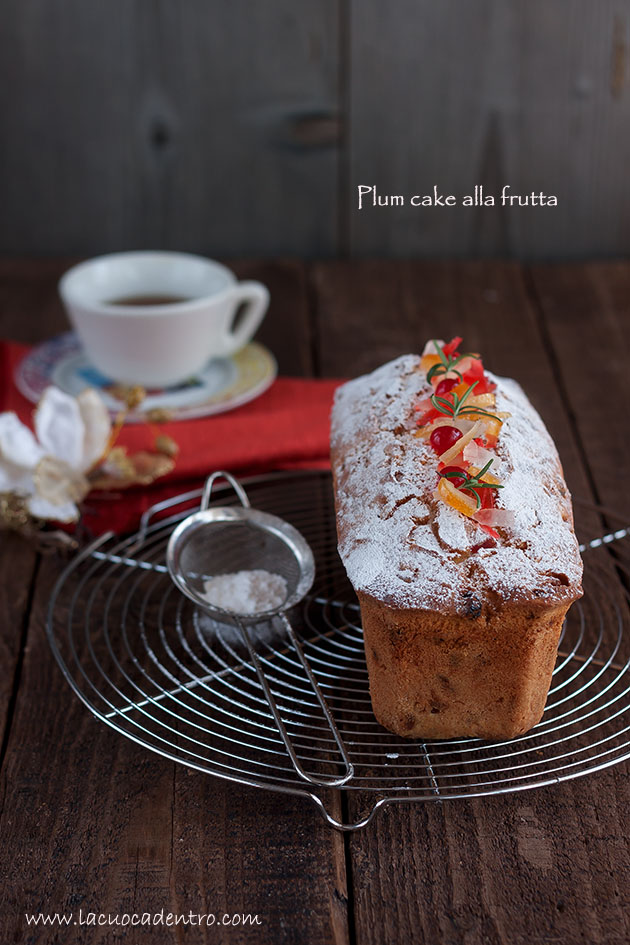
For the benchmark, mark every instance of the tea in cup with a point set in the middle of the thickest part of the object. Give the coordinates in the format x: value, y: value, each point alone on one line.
x: 157, y: 318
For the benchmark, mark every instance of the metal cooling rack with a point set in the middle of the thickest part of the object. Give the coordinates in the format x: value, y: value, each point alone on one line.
x: 146, y: 662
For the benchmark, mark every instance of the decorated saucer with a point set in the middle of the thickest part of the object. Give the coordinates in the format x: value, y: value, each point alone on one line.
x: 224, y: 383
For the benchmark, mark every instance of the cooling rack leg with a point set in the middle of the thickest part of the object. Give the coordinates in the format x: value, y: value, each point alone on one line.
x: 350, y: 827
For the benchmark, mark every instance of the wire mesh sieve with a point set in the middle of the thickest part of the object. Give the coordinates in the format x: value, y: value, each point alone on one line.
x: 158, y: 669
x: 224, y: 540
x: 221, y: 541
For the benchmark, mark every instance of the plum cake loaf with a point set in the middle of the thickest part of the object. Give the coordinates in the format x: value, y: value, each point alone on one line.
x: 455, y: 527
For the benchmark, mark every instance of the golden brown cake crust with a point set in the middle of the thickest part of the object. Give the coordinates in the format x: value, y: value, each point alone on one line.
x: 436, y: 676
x: 459, y: 640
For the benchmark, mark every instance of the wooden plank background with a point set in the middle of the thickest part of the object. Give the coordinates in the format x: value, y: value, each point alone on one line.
x: 241, y: 128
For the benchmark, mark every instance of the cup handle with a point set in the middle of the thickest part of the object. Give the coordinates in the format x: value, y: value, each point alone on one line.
x: 255, y: 297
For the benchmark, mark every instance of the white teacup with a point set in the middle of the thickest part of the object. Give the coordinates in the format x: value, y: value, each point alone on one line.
x: 156, y: 318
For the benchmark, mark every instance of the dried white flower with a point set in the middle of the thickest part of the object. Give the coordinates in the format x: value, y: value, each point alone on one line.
x: 48, y: 470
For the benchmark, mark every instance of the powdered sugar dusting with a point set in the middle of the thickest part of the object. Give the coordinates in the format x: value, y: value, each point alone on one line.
x: 246, y: 592
x: 402, y: 545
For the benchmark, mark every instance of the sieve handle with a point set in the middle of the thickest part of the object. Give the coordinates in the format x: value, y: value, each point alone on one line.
x: 163, y: 506
x: 210, y: 481
x: 288, y: 744
x: 205, y: 494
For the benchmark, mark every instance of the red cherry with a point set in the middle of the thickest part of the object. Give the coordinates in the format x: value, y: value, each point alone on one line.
x: 443, y: 438
x: 487, y: 497
x: 458, y: 480
x: 446, y: 385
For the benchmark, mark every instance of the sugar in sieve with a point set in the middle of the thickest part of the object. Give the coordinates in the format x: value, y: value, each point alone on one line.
x: 225, y: 540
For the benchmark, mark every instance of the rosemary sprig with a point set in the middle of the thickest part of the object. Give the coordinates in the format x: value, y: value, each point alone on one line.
x: 455, y: 408
x: 472, y: 483
x: 447, y: 363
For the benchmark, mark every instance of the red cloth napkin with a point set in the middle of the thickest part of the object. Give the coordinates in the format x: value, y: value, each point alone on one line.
x: 287, y: 427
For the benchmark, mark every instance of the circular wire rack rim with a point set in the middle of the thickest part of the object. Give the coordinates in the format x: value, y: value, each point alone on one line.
x: 428, y: 771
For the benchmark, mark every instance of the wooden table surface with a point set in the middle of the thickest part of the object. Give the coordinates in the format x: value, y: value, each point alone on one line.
x: 91, y: 821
